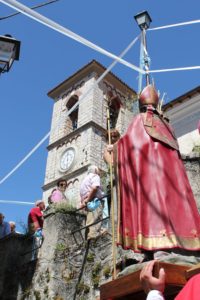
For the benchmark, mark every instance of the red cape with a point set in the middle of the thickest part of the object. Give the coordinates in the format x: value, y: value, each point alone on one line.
x: 191, y: 290
x: 156, y: 206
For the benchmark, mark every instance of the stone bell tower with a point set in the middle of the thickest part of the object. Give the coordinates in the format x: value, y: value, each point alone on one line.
x: 78, y: 140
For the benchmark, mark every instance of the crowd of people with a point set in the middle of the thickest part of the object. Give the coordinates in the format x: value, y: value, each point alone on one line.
x: 92, y: 202
x: 6, y: 228
x: 35, y: 221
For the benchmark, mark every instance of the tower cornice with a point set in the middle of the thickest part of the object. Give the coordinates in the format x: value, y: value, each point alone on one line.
x: 76, y: 132
x: 93, y: 66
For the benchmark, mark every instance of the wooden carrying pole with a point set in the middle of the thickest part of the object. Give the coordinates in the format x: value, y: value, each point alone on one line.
x: 112, y: 198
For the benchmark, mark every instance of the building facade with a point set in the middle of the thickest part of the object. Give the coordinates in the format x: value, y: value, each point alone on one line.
x: 78, y: 137
x: 184, y: 115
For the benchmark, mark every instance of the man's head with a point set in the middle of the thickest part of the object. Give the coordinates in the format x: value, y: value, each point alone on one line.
x: 93, y: 169
x: 40, y: 204
x: 12, y: 226
x: 1, y: 218
x: 62, y: 185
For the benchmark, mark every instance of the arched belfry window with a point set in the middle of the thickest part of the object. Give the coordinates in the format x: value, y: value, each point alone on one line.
x: 114, y: 107
x: 72, y: 120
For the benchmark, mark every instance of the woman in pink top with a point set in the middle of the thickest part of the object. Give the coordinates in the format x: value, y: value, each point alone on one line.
x: 58, y: 194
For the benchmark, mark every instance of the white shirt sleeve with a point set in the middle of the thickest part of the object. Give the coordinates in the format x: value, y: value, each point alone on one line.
x: 155, y: 295
x: 95, y: 180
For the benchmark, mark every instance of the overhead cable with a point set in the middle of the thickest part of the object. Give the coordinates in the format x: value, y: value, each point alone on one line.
x: 175, y: 25
x: 40, y: 18
x: 33, y: 7
x: 181, y: 68
x: 170, y: 26
x: 175, y: 69
x: 55, y: 26
x: 69, y: 112
x: 98, y: 81
x: 25, y: 158
x: 34, y: 15
x: 16, y: 202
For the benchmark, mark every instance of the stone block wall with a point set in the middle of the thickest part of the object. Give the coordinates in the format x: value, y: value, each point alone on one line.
x: 192, y: 165
x: 17, y: 269
x: 89, y: 145
x: 88, y: 140
x: 90, y: 108
x: 68, y: 267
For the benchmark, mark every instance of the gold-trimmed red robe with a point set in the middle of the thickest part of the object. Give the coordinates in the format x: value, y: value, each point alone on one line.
x: 156, y: 206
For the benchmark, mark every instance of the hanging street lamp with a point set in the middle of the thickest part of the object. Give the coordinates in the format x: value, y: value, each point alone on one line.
x: 9, y: 51
x: 143, y: 20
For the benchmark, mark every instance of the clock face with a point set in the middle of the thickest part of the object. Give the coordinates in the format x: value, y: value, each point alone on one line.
x: 67, y: 159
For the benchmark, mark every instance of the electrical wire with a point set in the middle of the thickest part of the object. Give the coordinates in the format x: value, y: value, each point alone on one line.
x: 17, y: 202
x: 175, y: 69
x: 69, y: 112
x: 174, y: 25
x: 25, y: 158
x: 55, y: 26
x: 38, y: 17
x: 33, y: 7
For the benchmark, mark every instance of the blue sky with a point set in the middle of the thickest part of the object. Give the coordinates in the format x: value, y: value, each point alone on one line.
x: 47, y: 58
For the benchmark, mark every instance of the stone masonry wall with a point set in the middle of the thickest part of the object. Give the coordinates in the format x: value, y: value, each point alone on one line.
x: 192, y: 165
x: 89, y: 143
x: 17, y: 269
x: 68, y: 268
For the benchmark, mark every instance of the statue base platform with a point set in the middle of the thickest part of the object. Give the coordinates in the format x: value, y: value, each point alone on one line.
x: 129, y: 286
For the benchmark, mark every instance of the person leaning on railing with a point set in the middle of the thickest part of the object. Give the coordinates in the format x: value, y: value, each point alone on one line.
x: 91, y: 193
